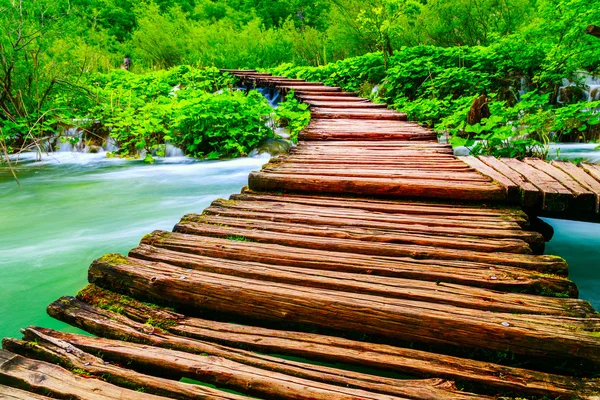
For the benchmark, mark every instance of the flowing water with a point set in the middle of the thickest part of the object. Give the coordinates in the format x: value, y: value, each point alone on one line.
x: 73, y: 208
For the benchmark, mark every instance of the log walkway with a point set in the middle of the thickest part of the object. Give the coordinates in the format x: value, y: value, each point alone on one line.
x: 369, y: 263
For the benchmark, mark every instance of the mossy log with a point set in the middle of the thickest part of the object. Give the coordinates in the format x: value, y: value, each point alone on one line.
x: 339, y: 350
x: 44, y: 378
x: 44, y: 347
x: 251, y: 366
x: 393, y: 318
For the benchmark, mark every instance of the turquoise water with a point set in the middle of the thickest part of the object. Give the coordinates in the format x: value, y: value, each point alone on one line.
x: 75, y: 208
x: 579, y: 244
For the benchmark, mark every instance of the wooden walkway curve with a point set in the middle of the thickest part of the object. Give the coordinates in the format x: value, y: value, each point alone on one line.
x: 351, y: 251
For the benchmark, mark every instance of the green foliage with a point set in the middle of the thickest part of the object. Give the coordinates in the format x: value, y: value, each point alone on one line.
x: 292, y: 114
x: 145, y: 112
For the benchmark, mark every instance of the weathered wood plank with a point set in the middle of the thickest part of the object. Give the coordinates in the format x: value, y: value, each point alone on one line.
x: 548, y: 263
x: 335, y: 113
x: 411, y: 321
x: 399, y: 219
x: 389, y: 206
x: 555, y: 197
x: 252, y: 367
x: 513, y: 192
x: 263, y: 181
x: 530, y: 195
x: 365, y: 234
x: 592, y: 169
x: 461, y: 272
x: 457, y: 295
x: 47, y: 348
x: 10, y: 393
x: 584, y: 199
x: 339, y: 350
x: 582, y: 177
x: 42, y: 377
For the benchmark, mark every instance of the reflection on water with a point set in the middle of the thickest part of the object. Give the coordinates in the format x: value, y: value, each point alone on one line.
x: 73, y: 208
x: 579, y: 244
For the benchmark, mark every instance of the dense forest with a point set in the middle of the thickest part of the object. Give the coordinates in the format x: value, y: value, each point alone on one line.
x: 529, y: 61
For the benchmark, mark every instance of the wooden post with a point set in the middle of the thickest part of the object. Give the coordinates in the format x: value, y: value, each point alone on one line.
x: 593, y: 30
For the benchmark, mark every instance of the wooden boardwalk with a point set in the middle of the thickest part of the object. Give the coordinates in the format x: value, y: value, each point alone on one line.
x: 347, y: 270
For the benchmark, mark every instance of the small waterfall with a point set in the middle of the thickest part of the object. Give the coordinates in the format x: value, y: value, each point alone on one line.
x: 172, y: 151
x: 584, y: 87
x: 272, y: 95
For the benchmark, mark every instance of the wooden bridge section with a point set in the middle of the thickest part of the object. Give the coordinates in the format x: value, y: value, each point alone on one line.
x: 369, y: 263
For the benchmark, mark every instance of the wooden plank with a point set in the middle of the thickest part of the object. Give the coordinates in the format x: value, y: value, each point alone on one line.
x: 513, y: 192
x: 389, y: 206
x: 338, y: 350
x: 533, y: 239
x: 461, y: 272
x: 394, y: 288
x: 584, y: 199
x: 348, y: 171
x: 414, y: 321
x: 332, y: 98
x: 43, y: 347
x: 42, y: 377
x: 250, y: 373
x: 592, y: 170
x: 366, y: 234
x: 344, y: 105
x: 435, y: 189
x: 395, y: 220
x: 551, y: 264
x: 530, y: 195
x: 555, y: 197
x: 583, y: 178
x: 335, y: 113
x: 10, y: 393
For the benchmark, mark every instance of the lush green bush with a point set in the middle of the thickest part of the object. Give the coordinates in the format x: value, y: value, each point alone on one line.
x: 293, y: 115
x: 179, y: 106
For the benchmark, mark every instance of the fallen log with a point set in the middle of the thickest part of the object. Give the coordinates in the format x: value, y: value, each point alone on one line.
x: 460, y: 272
x: 251, y: 366
x: 457, y: 295
x: 42, y: 377
x: 392, y: 318
x: 46, y: 348
x: 339, y: 350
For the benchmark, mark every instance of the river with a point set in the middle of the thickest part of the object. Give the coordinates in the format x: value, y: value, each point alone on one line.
x: 76, y: 207
x: 73, y: 208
